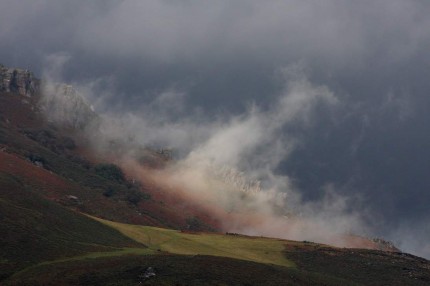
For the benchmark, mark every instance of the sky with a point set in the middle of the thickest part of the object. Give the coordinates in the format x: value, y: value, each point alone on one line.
x: 330, y: 95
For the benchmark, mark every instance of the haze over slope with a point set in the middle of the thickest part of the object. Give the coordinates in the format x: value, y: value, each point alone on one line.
x: 327, y: 100
x: 228, y: 173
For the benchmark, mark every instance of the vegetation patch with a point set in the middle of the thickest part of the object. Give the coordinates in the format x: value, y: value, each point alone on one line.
x: 261, y: 250
x: 110, y: 171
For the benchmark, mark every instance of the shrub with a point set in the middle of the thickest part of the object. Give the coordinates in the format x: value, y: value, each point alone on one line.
x: 36, y: 159
x: 194, y: 223
x: 109, y: 192
x: 110, y: 171
x: 134, y: 197
x: 68, y: 143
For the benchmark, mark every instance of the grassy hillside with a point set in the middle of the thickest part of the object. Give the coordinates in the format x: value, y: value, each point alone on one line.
x: 178, y: 258
x: 170, y: 270
x: 34, y: 230
x: 365, y: 267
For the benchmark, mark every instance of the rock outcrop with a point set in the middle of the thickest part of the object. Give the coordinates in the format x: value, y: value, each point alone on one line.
x: 63, y: 105
x: 18, y: 81
x: 60, y: 103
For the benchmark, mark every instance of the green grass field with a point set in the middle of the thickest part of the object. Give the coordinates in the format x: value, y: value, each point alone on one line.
x: 261, y: 250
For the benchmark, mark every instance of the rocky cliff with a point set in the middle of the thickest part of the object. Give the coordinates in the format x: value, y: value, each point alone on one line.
x: 61, y: 103
x: 18, y: 81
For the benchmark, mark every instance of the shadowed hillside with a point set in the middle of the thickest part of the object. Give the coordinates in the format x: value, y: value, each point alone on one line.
x: 35, y: 230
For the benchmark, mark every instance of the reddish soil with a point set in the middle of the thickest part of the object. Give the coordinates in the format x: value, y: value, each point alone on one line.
x: 19, y: 110
x: 37, y: 177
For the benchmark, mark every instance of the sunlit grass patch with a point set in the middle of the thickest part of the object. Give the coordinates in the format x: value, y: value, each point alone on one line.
x: 256, y: 249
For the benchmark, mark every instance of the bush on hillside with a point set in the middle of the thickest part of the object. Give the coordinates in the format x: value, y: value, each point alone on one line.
x: 109, y: 192
x: 194, y: 224
x: 37, y: 160
x: 110, y: 171
x: 134, y: 197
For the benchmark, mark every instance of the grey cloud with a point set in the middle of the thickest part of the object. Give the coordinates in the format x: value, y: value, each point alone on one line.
x: 214, y: 59
x: 231, y: 163
x: 188, y: 32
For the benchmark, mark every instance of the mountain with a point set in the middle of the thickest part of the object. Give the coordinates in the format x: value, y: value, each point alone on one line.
x: 69, y: 216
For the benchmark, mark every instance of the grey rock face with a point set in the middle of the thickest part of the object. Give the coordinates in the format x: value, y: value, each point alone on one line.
x: 18, y: 81
x: 60, y: 103
x: 63, y: 105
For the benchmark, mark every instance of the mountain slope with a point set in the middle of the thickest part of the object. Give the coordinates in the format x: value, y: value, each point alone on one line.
x: 38, y: 151
x: 177, y: 258
x: 35, y: 230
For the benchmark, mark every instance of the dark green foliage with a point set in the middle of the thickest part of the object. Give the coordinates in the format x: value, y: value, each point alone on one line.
x: 35, y: 158
x: 79, y: 160
x: 38, y: 160
x: 146, y: 196
x: 134, y: 196
x: 50, y: 139
x: 68, y: 143
x: 43, y: 136
x: 109, y: 192
x: 110, y: 171
x: 194, y: 224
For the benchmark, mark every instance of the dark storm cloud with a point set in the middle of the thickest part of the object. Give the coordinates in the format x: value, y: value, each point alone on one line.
x: 222, y: 55
x: 219, y: 49
x: 193, y: 40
